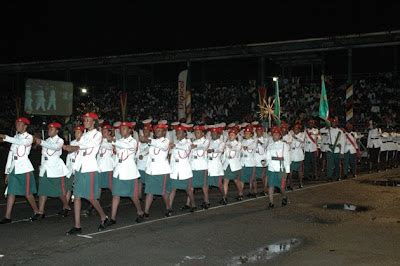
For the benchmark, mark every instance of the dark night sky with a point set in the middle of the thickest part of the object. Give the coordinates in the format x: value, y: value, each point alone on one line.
x: 40, y: 30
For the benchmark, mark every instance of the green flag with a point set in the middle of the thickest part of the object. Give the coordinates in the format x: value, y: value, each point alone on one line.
x: 323, y: 102
x: 277, y: 104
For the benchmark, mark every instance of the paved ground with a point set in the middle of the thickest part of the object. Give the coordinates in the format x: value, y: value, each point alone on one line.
x: 220, y: 235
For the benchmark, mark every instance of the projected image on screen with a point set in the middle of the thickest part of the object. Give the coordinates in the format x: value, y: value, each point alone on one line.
x: 48, y: 97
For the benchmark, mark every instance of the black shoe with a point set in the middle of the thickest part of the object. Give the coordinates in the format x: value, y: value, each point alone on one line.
x: 289, y: 189
x: 37, y: 216
x: 249, y: 195
x: 168, y: 213
x: 270, y: 206
x: 205, y: 205
x: 239, y: 198
x: 103, y: 224
x: 139, y: 218
x: 146, y: 215
x: 262, y: 194
x: 193, y: 209
x: 185, y: 207
x: 74, y: 231
x: 5, y: 221
x: 284, y: 201
x: 111, y: 222
x: 338, y: 179
x: 64, y: 212
x: 224, y: 201
x: 300, y: 186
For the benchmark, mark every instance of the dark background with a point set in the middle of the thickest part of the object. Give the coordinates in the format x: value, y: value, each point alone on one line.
x: 43, y: 30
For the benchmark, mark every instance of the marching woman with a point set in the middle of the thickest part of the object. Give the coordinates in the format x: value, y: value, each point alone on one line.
x: 248, y: 161
x: 142, y: 154
x: 231, y: 164
x: 278, y: 161
x: 87, y: 183
x: 78, y: 132
x: 19, y: 169
x: 199, y: 164
x: 260, y: 158
x: 214, y: 154
x: 181, y: 175
x: 157, y: 168
x: 297, y: 156
x: 53, y: 172
x: 105, y: 158
x: 126, y: 175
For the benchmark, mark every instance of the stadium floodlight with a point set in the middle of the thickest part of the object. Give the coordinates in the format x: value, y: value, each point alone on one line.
x: 275, y: 78
x: 83, y: 90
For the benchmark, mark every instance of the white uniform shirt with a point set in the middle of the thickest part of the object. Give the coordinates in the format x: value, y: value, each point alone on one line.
x: 374, y: 138
x: 51, y: 163
x: 232, y: 155
x: 296, y: 147
x: 125, y: 168
x: 215, y: 167
x: 324, y: 144
x: 333, y: 134
x: 89, y: 145
x: 261, y: 153
x: 180, y: 164
x: 311, y: 140
x: 157, y: 161
x: 348, y: 147
x: 71, y: 158
x: 141, y: 156
x: 275, y: 150
x: 247, y: 157
x: 18, y: 155
x: 198, y: 156
x: 105, y: 156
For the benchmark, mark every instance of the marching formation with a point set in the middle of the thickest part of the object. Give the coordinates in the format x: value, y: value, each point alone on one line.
x: 160, y: 159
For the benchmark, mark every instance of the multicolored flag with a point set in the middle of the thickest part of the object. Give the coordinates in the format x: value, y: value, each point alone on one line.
x: 323, y: 102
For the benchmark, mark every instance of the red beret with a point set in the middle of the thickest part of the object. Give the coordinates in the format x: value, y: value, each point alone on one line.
x: 94, y: 116
x: 80, y: 128
x: 23, y: 120
x: 248, y: 129
x: 298, y: 125
x: 259, y: 128
x: 311, y: 122
x: 126, y: 124
x: 163, y: 126
x: 55, y: 125
x: 148, y: 126
x: 107, y: 127
x: 284, y: 125
x: 199, y: 127
x: 276, y: 130
x: 180, y: 128
x: 233, y: 130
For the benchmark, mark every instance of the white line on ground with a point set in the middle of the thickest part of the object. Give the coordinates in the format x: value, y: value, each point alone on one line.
x: 212, y: 208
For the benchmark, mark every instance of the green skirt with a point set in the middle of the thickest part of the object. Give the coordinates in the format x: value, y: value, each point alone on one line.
x: 21, y: 184
x: 106, y: 179
x: 156, y: 184
x: 142, y: 176
x: 275, y: 180
x: 215, y: 181
x: 200, y: 179
x: 181, y: 184
x: 125, y: 188
x: 260, y: 172
x: 296, y: 166
x: 69, y: 183
x: 232, y: 175
x: 248, y: 174
x: 52, y: 187
x: 87, y: 185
